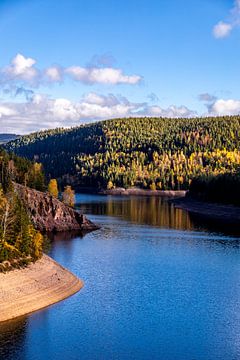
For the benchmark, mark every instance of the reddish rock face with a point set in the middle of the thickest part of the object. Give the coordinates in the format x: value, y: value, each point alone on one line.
x: 49, y: 214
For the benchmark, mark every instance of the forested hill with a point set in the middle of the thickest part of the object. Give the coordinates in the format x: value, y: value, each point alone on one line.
x: 147, y: 152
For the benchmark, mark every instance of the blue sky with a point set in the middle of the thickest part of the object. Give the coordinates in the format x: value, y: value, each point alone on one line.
x: 67, y: 62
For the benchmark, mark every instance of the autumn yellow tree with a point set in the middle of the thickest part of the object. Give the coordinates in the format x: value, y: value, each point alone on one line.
x: 53, y: 188
x: 38, y: 245
x: 110, y: 185
x: 68, y: 196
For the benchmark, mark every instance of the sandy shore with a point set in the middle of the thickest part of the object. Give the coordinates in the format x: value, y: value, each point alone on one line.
x: 143, y: 192
x: 40, y: 284
x: 227, y: 214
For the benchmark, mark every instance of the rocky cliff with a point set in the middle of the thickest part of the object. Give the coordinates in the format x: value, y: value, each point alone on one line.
x: 51, y: 215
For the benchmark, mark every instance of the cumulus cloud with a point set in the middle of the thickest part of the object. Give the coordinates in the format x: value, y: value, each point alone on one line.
x: 21, y: 66
x: 224, y: 28
x: 22, y: 70
x: 225, y: 107
x: 101, y: 75
x: 172, y: 111
x: 6, y: 111
x: 53, y: 74
x: 43, y: 112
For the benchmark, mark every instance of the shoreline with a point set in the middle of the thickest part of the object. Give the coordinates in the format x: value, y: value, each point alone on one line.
x: 143, y: 192
x: 227, y: 214
x: 35, y: 287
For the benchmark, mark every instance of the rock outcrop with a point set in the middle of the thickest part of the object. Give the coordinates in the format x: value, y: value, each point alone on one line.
x: 51, y: 215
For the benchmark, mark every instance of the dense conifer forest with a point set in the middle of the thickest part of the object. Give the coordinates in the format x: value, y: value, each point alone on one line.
x: 19, y: 241
x: 155, y: 153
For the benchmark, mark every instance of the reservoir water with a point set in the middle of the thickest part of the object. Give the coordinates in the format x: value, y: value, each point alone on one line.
x: 158, y: 285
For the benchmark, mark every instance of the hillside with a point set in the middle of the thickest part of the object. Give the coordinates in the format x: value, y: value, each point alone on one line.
x: 146, y: 152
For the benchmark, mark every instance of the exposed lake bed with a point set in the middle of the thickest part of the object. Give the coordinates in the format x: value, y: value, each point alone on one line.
x: 158, y: 284
x: 34, y: 287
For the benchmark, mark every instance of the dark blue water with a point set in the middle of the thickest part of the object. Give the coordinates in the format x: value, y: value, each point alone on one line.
x: 158, y: 285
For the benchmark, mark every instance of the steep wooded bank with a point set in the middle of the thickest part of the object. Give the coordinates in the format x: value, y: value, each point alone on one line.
x: 20, y: 242
x: 25, y: 213
x: 150, y: 153
x: 49, y: 214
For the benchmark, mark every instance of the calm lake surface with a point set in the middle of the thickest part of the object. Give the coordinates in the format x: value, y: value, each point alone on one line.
x: 158, y: 285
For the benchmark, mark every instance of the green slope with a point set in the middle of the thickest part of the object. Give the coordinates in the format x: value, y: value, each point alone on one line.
x: 146, y: 152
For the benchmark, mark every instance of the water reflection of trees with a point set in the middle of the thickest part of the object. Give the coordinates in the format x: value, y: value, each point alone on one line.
x: 155, y: 211
x: 12, y: 339
x: 65, y: 235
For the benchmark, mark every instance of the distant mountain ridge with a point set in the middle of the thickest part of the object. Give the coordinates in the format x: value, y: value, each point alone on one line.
x: 4, y: 138
x: 152, y: 153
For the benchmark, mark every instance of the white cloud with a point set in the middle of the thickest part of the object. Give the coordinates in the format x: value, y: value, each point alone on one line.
x: 53, y: 74
x: 172, y: 111
x: 104, y: 100
x: 6, y: 111
x: 38, y: 98
x: 22, y: 71
x: 64, y: 109
x: 93, y: 98
x: 42, y: 112
x: 225, y: 107
x: 223, y: 29
x: 101, y: 75
x: 21, y: 68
